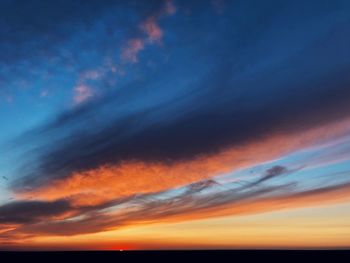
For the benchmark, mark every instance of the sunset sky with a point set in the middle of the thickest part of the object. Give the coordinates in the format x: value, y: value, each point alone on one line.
x: 174, y: 124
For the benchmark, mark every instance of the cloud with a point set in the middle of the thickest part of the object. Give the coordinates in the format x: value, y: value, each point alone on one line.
x: 192, y: 205
x: 135, y: 159
x: 150, y: 25
x: 43, y: 39
x: 152, y: 29
x: 201, y: 185
x: 224, y: 99
x: 93, y: 74
x: 82, y: 93
x: 27, y: 211
x: 155, y: 119
x: 131, y: 50
x: 170, y: 8
x: 43, y: 26
x: 148, y: 207
x: 271, y: 173
x: 93, y: 186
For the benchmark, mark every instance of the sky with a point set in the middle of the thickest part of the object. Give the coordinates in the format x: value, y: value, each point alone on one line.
x: 173, y: 124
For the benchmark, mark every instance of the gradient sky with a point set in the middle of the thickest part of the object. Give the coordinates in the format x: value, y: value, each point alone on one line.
x: 170, y: 124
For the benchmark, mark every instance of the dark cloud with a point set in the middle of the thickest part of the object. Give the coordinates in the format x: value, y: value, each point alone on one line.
x: 238, y: 101
x: 24, y: 212
x: 270, y: 174
x: 199, y: 186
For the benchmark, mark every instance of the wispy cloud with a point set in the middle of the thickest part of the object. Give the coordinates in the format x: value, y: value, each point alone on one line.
x: 90, y: 75
x: 189, y: 203
x: 152, y: 29
x: 131, y: 50
x: 82, y: 93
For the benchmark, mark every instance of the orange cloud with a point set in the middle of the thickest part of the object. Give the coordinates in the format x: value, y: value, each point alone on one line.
x: 7, y: 227
x: 137, y: 177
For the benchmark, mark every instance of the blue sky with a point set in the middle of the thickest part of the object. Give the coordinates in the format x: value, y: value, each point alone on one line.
x: 103, y: 104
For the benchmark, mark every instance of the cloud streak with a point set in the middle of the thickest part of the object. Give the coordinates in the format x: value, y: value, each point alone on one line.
x: 24, y: 212
x: 191, y: 204
x: 150, y: 27
x: 82, y: 93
